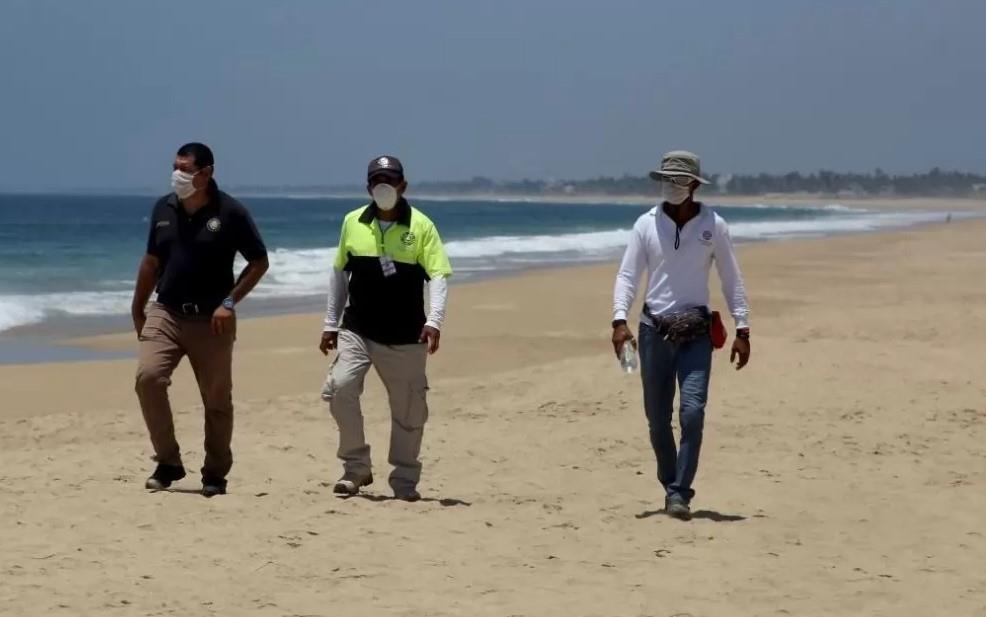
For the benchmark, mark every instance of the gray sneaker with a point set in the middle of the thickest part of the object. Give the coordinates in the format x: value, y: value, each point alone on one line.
x: 350, y: 483
x: 676, y: 507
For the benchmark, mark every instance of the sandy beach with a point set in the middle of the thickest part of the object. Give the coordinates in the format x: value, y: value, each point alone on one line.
x: 843, y: 471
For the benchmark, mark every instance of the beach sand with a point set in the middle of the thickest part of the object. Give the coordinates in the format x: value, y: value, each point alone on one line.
x: 843, y: 472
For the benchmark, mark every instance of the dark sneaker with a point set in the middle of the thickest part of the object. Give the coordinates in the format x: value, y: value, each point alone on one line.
x: 163, y: 476
x: 350, y: 483
x: 677, y: 507
x: 407, y: 494
x: 213, y: 486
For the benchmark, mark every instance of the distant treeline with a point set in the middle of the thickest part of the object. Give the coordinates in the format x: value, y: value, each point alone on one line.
x: 935, y: 183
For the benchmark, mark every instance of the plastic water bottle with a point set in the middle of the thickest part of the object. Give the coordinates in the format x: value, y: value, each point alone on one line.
x: 628, y: 357
x: 328, y: 390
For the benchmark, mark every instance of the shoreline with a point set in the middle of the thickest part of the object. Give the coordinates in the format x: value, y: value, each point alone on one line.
x: 67, y: 339
x: 119, y: 340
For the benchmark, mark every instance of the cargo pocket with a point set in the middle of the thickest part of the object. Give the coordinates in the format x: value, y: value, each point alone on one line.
x: 329, y: 385
x: 416, y: 410
x: 152, y: 328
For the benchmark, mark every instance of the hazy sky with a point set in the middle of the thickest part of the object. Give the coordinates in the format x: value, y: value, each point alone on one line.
x: 100, y: 93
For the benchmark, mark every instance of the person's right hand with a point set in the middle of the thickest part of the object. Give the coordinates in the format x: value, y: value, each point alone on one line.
x: 621, y: 334
x: 330, y: 340
x: 140, y: 318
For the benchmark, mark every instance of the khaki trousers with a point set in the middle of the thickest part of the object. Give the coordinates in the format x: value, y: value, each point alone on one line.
x: 402, y: 370
x: 165, y: 339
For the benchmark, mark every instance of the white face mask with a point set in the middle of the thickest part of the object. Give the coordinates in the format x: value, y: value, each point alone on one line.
x: 385, y: 196
x: 674, y: 194
x: 182, y: 183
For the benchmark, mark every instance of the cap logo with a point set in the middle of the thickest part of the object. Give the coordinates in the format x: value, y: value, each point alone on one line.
x: 213, y: 224
x: 383, y: 161
x: 706, y: 235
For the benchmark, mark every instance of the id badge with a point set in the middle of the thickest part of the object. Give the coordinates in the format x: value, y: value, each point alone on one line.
x: 387, y: 265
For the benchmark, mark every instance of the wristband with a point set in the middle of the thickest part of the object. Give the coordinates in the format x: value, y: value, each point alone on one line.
x: 619, y: 322
x: 743, y: 334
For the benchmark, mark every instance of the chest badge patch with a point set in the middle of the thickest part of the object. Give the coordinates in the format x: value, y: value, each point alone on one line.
x: 407, y: 239
x: 213, y: 224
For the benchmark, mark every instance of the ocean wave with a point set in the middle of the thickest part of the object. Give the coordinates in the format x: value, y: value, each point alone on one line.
x: 26, y: 309
x: 493, y: 246
x: 298, y: 273
x: 803, y: 207
x: 760, y: 230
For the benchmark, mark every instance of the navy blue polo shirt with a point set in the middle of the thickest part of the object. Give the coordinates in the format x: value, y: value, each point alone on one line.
x: 196, y: 252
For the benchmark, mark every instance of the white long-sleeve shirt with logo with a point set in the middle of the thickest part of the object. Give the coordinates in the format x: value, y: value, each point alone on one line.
x: 677, y: 263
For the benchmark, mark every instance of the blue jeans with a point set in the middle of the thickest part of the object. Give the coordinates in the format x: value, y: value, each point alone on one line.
x: 661, y: 364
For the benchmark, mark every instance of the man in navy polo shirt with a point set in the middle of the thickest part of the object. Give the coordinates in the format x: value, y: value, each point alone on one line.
x: 195, y: 233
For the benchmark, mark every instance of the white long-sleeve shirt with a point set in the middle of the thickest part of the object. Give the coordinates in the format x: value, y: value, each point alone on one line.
x: 678, y: 276
x: 339, y: 296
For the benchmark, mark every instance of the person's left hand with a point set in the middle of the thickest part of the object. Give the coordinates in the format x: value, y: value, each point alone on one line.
x: 431, y: 336
x: 222, y: 321
x: 741, y: 350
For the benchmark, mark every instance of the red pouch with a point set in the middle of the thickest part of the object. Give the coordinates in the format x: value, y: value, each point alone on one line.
x: 717, y: 331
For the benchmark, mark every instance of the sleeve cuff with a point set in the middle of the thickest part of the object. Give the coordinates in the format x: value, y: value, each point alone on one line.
x: 434, y: 324
x: 619, y: 314
x: 741, y: 322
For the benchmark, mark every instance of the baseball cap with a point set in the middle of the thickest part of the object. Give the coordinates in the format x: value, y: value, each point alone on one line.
x: 389, y: 165
x: 679, y: 163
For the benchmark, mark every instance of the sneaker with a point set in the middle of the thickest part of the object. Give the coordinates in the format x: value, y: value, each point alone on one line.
x: 163, y: 476
x: 676, y: 507
x: 350, y: 483
x: 213, y: 486
x: 407, y: 494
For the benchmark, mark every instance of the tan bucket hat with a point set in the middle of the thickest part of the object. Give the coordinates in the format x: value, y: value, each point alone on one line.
x: 679, y: 163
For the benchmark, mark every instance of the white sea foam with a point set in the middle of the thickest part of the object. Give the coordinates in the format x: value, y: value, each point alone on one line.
x: 493, y: 246
x: 782, y: 207
x: 873, y: 221
x: 24, y: 309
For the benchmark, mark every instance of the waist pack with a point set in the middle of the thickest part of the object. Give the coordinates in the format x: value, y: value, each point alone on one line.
x: 688, y: 325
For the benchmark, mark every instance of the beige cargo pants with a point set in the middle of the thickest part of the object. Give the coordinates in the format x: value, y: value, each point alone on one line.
x: 402, y: 370
x: 166, y: 338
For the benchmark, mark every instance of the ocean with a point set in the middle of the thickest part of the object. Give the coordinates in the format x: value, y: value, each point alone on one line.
x: 68, y: 261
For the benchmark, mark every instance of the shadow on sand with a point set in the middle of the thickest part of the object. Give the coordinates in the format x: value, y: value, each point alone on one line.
x: 446, y: 502
x: 708, y: 515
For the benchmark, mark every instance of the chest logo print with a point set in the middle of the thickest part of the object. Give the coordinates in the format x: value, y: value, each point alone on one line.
x: 160, y: 224
x: 213, y: 224
x: 706, y: 235
x: 407, y: 238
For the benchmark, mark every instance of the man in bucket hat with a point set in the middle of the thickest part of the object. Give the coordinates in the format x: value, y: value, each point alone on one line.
x: 675, y: 243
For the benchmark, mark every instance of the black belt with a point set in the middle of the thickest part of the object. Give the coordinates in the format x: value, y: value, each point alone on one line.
x: 190, y: 309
